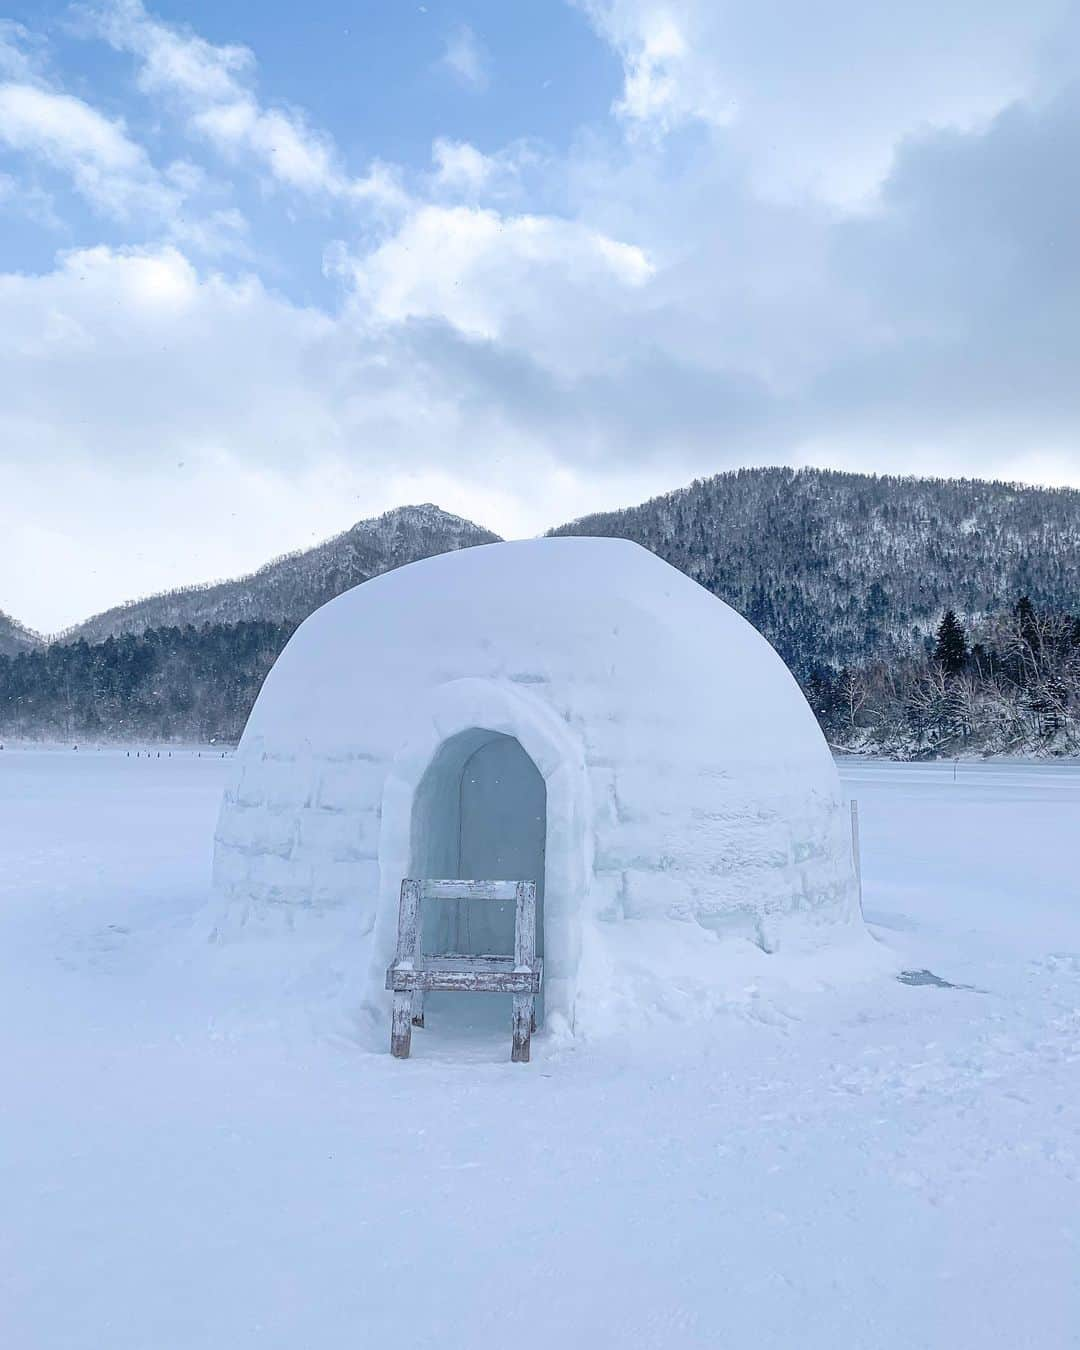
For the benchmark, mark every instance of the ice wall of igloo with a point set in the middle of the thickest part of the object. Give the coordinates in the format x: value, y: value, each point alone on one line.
x: 690, y: 795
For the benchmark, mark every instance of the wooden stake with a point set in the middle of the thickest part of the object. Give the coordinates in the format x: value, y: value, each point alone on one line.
x: 401, y: 1028
x: 523, y: 1012
x: 524, y: 956
x: 408, y: 944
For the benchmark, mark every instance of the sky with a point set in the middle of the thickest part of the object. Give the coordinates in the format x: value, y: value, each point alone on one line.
x: 269, y: 269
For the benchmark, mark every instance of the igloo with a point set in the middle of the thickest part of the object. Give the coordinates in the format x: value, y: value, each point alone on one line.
x: 568, y: 710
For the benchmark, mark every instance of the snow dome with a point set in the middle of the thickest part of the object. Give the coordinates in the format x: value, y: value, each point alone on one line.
x: 571, y: 711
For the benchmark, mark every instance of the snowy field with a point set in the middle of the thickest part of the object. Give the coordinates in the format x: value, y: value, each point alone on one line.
x: 190, y: 1157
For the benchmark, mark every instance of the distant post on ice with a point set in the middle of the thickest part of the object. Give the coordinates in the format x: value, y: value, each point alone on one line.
x: 856, y: 858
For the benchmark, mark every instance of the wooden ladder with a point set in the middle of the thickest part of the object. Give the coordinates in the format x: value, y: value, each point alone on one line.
x: 413, y: 972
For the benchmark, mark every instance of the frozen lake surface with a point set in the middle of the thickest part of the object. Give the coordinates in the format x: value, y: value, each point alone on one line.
x: 192, y: 1154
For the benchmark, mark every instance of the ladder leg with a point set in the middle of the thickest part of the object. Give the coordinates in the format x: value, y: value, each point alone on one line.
x: 523, y: 1015
x: 418, y: 1008
x: 401, y: 1028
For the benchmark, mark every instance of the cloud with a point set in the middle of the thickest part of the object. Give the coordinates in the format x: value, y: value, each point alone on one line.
x: 466, y: 60
x: 142, y: 348
x: 973, y: 269
x: 523, y: 369
x: 213, y: 85
x: 548, y: 287
x: 785, y: 246
x: 137, y: 357
x: 459, y: 166
x: 20, y: 52
x: 29, y: 201
x: 105, y: 165
x: 193, y: 425
x: 664, y: 85
x: 816, y: 97
x: 295, y: 155
x: 507, y: 176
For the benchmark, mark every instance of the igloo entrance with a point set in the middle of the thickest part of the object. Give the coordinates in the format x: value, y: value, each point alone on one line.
x: 480, y: 812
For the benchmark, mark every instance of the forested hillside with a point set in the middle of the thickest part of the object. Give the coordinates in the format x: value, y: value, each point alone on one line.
x: 164, y: 684
x: 14, y: 638
x: 841, y: 568
x: 848, y: 575
x: 290, y: 588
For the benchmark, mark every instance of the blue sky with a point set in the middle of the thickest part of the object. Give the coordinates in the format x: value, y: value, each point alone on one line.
x: 268, y: 269
x: 374, y: 77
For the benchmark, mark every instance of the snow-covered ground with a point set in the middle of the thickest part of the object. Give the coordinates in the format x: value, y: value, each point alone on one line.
x: 191, y: 1157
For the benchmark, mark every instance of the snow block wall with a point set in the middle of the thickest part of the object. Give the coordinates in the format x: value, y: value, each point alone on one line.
x: 689, y: 796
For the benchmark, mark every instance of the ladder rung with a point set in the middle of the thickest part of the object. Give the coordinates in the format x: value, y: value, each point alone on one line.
x: 468, y: 890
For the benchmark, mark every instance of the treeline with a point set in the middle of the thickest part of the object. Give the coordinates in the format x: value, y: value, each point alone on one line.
x: 1010, y: 687
x: 167, y: 684
x: 1014, y: 690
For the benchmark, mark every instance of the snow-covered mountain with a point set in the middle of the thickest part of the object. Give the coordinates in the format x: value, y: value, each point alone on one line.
x: 836, y: 569
x: 833, y: 567
x: 291, y: 587
x: 840, y: 568
x: 14, y: 638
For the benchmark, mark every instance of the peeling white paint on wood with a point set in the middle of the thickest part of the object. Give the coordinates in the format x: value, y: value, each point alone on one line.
x: 413, y: 972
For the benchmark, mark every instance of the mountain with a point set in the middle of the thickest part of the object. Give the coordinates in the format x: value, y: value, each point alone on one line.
x: 842, y: 568
x: 847, y: 574
x: 288, y: 589
x: 835, y: 568
x: 14, y: 638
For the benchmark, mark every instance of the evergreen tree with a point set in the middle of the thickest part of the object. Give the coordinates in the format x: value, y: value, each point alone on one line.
x: 951, y: 650
x: 163, y: 684
x: 1027, y: 622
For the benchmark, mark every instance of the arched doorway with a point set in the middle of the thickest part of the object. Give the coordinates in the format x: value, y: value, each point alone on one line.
x: 451, y: 722
x: 479, y: 812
